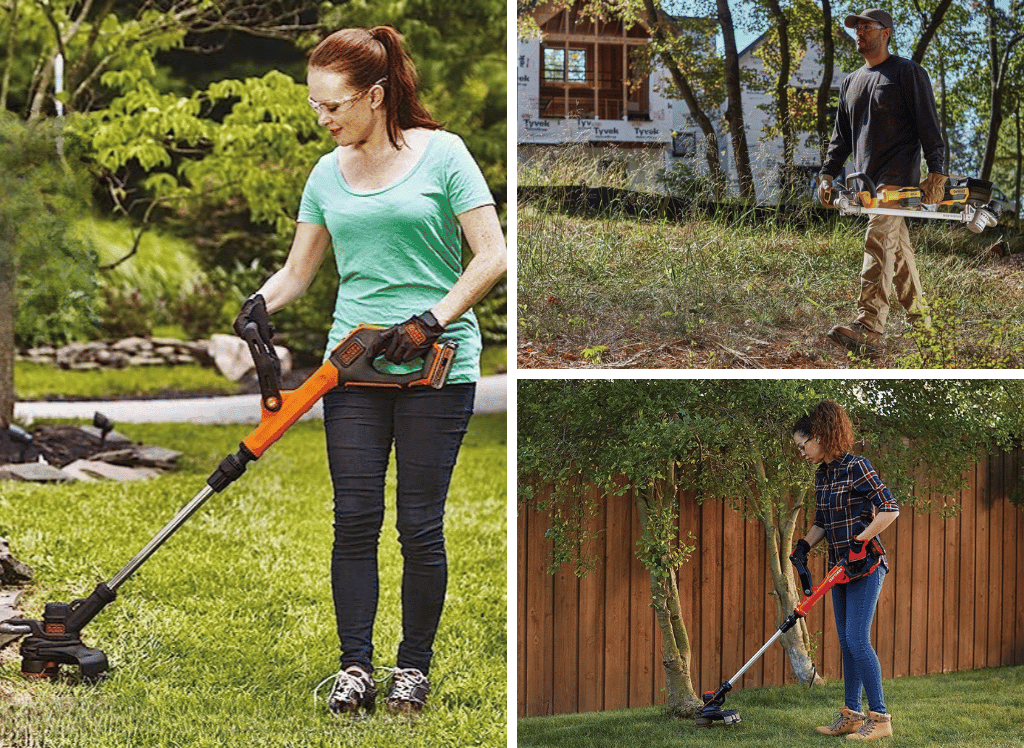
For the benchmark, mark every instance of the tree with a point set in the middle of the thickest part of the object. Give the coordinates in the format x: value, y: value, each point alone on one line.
x: 93, y: 38
x: 668, y: 39
x: 1005, y: 31
x: 734, y: 107
x: 730, y: 440
x: 47, y: 274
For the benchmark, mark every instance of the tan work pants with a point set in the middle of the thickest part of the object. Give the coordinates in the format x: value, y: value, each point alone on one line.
x: 888, y: 264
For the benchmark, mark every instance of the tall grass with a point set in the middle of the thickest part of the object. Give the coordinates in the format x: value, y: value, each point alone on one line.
x: 221, y: 636
x: 745, y: 287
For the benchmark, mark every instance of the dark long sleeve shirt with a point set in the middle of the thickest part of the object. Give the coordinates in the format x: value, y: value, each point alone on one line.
x: 886, y: 118
x: 847, y: 493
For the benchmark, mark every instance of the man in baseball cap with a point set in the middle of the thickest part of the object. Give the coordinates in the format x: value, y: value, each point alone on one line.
x: 885, y: 122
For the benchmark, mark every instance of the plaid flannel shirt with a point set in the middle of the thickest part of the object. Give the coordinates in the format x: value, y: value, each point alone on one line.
x: 847, y: 492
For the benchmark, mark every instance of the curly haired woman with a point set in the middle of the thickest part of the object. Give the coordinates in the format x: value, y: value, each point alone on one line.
x: 852, y: 505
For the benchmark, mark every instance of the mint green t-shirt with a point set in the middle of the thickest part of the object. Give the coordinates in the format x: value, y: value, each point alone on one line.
x: 399, y: 249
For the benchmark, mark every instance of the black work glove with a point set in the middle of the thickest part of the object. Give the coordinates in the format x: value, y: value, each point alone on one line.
x: 255, y: 310
x: 408, y: 340
x: 799, y: 553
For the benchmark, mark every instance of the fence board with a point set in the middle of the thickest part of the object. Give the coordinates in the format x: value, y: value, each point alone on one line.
x: 954, y: 600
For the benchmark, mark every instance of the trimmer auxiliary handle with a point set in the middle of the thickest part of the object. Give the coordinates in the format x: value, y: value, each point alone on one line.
x: 56, y: 640
x: 978, y: 210
x: 857, y: 566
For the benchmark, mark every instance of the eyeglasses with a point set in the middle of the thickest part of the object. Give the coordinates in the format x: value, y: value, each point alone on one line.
x: 802, y: 446
x: 865, y: 27
x: 332, y: 107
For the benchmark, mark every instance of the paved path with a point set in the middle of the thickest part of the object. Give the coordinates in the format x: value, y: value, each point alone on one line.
x: 490, y: 398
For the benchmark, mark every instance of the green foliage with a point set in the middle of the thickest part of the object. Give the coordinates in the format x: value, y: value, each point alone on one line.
x: 997, y: 345
x: 260, y: 152
x: 55, y: 271
x: 125, y: 314
x: 731, y: 440
x: 492, y: 313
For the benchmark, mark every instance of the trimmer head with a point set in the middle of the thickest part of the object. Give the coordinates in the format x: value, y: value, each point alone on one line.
x: 707, y: 716
x: 713, y: 710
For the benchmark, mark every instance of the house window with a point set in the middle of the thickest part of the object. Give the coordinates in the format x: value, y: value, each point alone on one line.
x: 565, y: 65
x: 684, y: 145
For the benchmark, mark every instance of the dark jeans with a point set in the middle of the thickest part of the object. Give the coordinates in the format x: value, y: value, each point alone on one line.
x: 426, y: 427
x: 854, y: 605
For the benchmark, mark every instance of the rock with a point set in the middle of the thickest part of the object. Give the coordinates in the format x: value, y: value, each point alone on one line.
x: 152, y: 352
x: 113, y: 472
x: 231, y: 355
x: 38, y: 472
x: 12, y: 571
x: 77, y: 473
x: 8, y: 610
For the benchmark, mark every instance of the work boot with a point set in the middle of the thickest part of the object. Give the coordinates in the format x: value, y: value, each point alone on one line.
x: 856, y: 337
x: 875, y: 726
x: 353, y: 689
x: 847, y: 721
x: 409, y: 689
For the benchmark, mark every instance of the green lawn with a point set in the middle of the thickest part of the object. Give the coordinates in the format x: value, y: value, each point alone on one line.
x: 978, y: 709
x: 34, y: 381
x: 221, y: 637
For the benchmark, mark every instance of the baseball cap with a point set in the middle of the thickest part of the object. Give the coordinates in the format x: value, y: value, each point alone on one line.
x: 871, y: 14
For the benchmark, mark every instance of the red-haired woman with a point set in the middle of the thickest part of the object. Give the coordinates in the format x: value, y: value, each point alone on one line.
x: 395, y: 198
x: 852, y: 505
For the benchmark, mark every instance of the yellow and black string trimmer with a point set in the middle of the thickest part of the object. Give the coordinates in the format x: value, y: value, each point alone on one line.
x: 976, y: 208
x: 56, y: 639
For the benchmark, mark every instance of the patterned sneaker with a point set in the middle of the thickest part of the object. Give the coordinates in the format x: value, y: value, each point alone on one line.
x: 353, y: 689
x: 409, y: 689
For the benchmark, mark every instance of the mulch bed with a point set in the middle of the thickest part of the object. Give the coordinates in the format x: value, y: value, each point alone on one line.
x: 58, y: 445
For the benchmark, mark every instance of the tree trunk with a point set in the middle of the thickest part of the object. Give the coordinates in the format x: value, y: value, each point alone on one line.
x: 782, y: 93
x: 1020, y: 158
x: 656, y: 24
x: 828, y: 62
x: 934, y: 21
x: 9, y: 58
x: 779, y: 525
x: 7, y: 268
x: 682, y: 699
x: 999, y: 65
x: 796, y: 642
x: 734, y: 108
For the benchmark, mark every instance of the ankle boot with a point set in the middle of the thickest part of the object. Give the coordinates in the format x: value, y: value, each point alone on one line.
x: 847, y: 721
x: 875, y: 726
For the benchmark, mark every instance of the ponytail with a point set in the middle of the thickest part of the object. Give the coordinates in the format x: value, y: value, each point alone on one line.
x: 366, y: 56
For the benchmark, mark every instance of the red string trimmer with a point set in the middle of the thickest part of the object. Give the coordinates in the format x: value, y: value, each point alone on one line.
x: 57, y: 639
x: 860, y: 563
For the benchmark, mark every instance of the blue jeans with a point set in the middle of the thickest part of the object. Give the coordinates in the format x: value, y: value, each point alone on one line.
x: 854, y: 605
x: 426, y: 427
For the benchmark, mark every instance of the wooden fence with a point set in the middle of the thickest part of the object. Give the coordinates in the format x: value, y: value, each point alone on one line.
x: 954, y: 600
